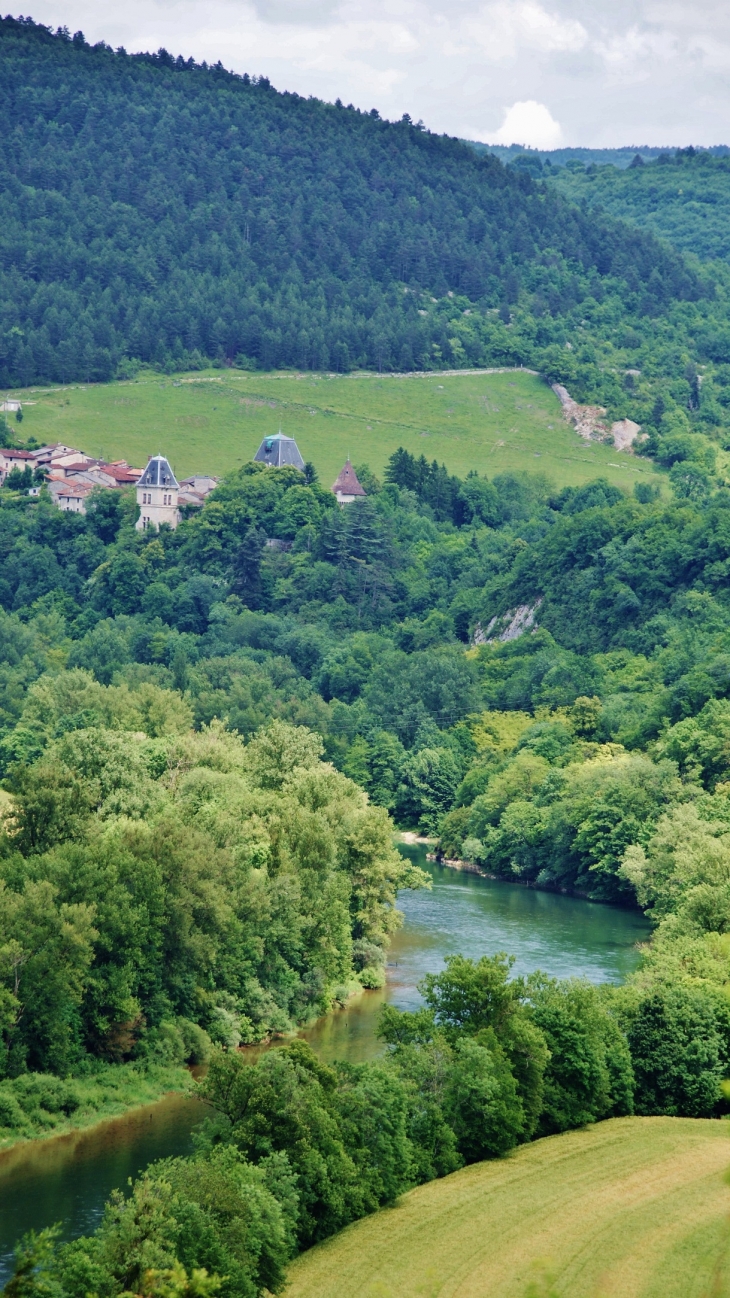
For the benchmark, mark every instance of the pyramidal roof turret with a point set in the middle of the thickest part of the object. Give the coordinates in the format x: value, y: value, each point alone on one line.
x: 158, y: 474
x: 347, y: 484
x: 278, y: 451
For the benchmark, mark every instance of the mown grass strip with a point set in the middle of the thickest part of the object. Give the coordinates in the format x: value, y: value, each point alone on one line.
x: 631, y: 1208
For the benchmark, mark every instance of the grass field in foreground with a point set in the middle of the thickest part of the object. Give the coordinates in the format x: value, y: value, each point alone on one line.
x: 214, y: 421
x: 630, y: 1208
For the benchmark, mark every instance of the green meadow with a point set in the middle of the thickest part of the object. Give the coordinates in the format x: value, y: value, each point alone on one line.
x: 213, y: 421
x: 630, y: 1208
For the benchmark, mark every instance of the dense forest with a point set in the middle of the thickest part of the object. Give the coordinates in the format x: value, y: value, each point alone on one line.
x: 681, y: 195
x: 205, y: 742
x: 388, y: 630
x: 158, y: 211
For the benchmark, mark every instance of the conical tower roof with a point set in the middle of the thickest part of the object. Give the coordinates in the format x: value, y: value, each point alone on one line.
x: 347, y: 483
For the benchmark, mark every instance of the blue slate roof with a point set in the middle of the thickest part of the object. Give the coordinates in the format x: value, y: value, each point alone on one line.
x: 279, y: 450
x: 158, y: 474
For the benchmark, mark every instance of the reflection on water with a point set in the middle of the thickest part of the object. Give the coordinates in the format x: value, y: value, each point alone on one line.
x: 467, y: 914
x: 69, y: 1179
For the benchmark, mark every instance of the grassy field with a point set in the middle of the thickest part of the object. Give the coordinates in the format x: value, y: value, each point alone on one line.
x: 631, y: 1208
x: 214, y: 421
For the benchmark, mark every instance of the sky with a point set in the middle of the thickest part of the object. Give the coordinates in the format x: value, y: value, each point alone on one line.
x: 598, y: 73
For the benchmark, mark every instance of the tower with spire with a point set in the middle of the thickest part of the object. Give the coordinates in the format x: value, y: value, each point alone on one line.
x: 347, y: 487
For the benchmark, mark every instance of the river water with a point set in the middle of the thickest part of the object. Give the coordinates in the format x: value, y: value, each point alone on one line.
x: 68, y: 1179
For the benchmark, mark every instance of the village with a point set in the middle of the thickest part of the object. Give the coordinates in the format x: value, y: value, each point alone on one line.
x: 70, y: 477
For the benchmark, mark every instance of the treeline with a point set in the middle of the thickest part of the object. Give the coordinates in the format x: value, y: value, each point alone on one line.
x: 547, y: 757
x: 610, y: 710
x: 156, y: 211
x: 159, y: 894
x: 681, y: 196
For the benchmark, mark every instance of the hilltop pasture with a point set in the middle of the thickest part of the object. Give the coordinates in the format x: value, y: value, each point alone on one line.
x: 213, y: 421
x: 630, y: 1208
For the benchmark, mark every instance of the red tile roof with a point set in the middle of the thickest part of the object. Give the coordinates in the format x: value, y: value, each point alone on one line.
x: 120, y: 472
x: 347, y: 483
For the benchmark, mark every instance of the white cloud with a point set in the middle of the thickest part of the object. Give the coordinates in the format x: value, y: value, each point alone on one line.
x: 530, y: 123
x: 637, y: 50
x: 653, y: 71
x: 503, y: 29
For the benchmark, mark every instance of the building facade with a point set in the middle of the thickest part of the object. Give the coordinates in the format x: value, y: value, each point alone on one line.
x: 157, y: 496
x: 72, y: 497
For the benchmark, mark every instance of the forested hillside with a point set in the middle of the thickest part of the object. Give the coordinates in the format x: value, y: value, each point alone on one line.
x: 208, y: 735
x: 538, y: 679
x: 153, y: 210
x: 359, y: 625
x: 682, y: 196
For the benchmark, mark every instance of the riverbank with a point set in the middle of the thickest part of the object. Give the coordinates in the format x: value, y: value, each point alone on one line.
x: 412, y: 839
x: 38, y: 1107
x: 471, y: 867
x: 69, y: 1179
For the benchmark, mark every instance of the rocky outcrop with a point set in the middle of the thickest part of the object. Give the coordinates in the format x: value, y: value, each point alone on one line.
x: 508, y: 626
x: 625, y: 433
x: 590, y: 424
x: 588, y: 421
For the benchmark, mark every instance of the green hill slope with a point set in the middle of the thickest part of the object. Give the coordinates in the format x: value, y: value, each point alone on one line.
x: 632, y: 1207
x: 159, y: 213
x: 683, y: 197
x: 213, y: 422
x: 158, y: 209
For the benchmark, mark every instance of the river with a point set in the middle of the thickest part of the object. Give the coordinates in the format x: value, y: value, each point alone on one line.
x: 68, y: 1179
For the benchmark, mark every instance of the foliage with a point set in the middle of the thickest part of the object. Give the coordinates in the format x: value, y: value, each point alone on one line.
x: 201, y: 1226
x: 208, y: 883
x: 182, y: 871
x: 312, y: 235
x: 679, y: 196
x: 344, y: 1135
x: 202, y: 735
x: 678, y: 1053
x: 590, y: 1071
x: 42, y: 1104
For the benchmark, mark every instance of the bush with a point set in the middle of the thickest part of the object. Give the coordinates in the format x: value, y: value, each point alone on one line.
x: 35, y: 1091
x: 196, y: 1042
x: 677, y: 1053
x: 11, y: 1114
